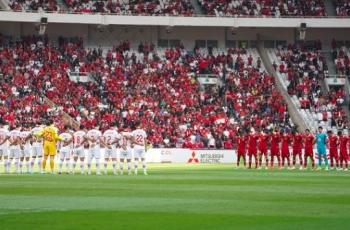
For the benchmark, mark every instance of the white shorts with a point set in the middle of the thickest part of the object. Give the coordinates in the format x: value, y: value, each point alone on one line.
x: 15, y: 153
x: 125, y: 154
x: 65, y: 152
x: 139, y: 153
x: 37, y: 151
x: 25, y: 152
x: 3, y: 151
x: 110, y: 153
x: 79, y: 152
x: 94, y: 153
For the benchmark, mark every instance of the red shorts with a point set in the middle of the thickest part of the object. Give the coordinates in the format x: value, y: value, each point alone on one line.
x: 240, y: 154
x: 296, y: 152
x: 333, y: 152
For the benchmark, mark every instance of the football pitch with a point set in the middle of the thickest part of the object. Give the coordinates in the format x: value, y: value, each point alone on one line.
x: 177, y: 196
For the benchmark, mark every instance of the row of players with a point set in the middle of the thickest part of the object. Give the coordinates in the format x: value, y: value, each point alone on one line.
x: 281, y: 145
x: 22, y: 147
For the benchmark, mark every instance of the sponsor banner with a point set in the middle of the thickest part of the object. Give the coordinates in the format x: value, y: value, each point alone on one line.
x: 335, y: 81
x: 208, y: 156
x: 191, y: 156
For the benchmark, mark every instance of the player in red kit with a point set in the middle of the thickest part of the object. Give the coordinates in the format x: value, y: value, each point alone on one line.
x: 253, y: 148
x: 286, y: 140
x: 309, y: 145
x: 297, y: 148
x: 333, y: 149
x: 343, y: 151
x: 275, y: 148
x: 262, y: 147
x: 241, y: 145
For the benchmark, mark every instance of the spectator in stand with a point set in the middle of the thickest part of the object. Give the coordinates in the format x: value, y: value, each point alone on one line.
x: 138, y: 7
x: 342, y: 7
x: 34, y: 5
x: 263, y: 8
x: 303, y: 67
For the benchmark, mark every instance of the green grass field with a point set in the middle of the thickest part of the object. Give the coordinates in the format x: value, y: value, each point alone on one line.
x: 178, y: 197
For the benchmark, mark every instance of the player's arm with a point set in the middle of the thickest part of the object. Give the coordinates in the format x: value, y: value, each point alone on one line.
x: 13, y: 141
x: 40, y: 134
x: 30, y: 135
x: 103, y: 142
x: 56, y: 137
x: 6, y: 138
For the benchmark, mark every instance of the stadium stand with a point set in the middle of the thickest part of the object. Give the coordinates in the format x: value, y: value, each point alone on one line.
x: 342, y: 7
x: 263, y: 8
x: 34, y: 5
x: 149, y: 7
x: 302, y: 69
x: 156, y: 86
x: 185, y: 8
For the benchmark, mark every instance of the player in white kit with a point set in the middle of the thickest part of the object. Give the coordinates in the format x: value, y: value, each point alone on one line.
x: 109, y: 141
x: 15, y: 148
x: 26, y: 148
x: 4, y: 136
x: 37, y: 148
x: 94, y: 139
x: 79, y: 150
x: 65, y: 149
x: 125, y: 145
x: 139, y: 138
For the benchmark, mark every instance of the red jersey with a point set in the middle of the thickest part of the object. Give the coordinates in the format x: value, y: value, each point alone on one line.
x: 275, y: 141
x: 297, y: 142
x: 241, y: 144
x: 253, y: 143
x: 309, y: 144
x: 286, y: 139
x: 343, y: 141
x: 263, y: 142
x: 333, y: 142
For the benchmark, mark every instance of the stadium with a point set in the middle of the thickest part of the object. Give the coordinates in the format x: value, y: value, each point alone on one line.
x: 183, y: 114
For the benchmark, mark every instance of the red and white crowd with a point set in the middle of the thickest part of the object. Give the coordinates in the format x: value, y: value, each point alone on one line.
x: 274, y: 8
x: 263, y: 8
x: 304, y: 68
x: 34, y: 5
x: 160, y: 90
x: 341, y: 59
x: 342, y: 7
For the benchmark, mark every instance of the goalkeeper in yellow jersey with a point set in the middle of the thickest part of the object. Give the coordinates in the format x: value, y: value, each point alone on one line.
x: 50, y: 136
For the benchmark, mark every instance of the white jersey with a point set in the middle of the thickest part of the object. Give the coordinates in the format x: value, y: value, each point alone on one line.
x: 37, y: 142
x: 4, y: 133
x: 110, y: 136
x: 78, y: 138
x: 125, y: 141
x: 15, y: 136
x: 24, y: 135
x: 66, y: 137
x: 95, y: 135
x: 140, y: 137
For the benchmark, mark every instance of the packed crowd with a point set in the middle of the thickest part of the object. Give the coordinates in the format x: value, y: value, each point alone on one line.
x: 34, y: 5
x: 341, y: 59
x: 157, y: 87
x: 139, y: 7
x: 263, y: 8
x: 304, y: 67
x: 342, y: 7
x: 184, y: 7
